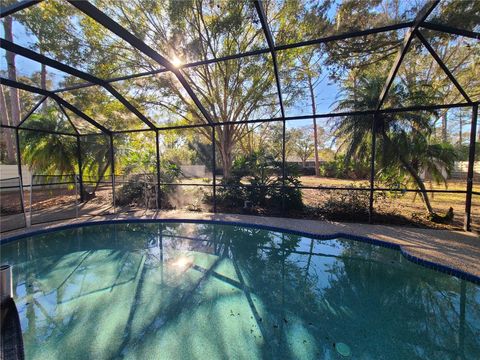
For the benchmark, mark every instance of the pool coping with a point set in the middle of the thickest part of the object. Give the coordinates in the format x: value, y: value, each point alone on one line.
x: 438, y: 266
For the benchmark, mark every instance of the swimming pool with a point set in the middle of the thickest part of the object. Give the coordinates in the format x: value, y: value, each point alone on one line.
x: 210, y: 291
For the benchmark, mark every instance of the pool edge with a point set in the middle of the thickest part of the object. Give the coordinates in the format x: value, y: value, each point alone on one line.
x: 413, y: 258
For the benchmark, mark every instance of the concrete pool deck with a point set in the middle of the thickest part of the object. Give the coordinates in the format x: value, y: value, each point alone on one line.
x: 455, y: 249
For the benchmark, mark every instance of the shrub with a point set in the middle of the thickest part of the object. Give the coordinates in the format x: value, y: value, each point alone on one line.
x: 350, y: 205
x: 257, y: 178
x: 347, y: 205
x: 141, y: 187
x: 307, y: 171
x: 342, y: 169
x: 134, y: 191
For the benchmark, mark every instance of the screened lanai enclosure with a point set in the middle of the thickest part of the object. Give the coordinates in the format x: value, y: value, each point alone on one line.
x: 343, y: 110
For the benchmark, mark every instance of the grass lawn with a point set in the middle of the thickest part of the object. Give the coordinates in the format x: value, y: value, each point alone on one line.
x: 390, y: 207
x: 393, y: 207
x: 408, y: 205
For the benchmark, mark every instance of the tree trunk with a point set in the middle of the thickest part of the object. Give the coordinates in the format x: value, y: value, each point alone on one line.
x: 444, y: 127
x: 315, y: 134
x: 43, y: 70
x: 12, y: 74
x: 415, y: 177
x: 226, y: 157
x: 460, y: 130
x: 43, y: 77
x: 43, y: 83
x: 420, y: 185
x: 7, y: 135
x: 107, y: 165
x: 225, y: 147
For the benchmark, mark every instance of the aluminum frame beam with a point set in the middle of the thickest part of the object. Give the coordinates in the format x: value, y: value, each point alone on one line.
x: 158, y: 171
x: 371, y: 208
x: 467, y: 225
x: 271, y: 46
x: 15, y: 7
x: 25, y: 118
x: 442, y: 65
x: 327, y: 39
x: 38, y: 130
x: 42, y: 59
x: 96, y: 14
x: 308, y: 117
x: 419, y: 19
x: 80, y: 169
x: 450, y: 30
x: 66, y: 104
x: 20, y: 174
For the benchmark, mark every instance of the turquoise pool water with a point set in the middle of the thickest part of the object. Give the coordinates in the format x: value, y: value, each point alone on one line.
x: 206, y: 291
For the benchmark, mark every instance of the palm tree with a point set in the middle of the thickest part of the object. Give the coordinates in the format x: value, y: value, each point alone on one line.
x: 49, y: 153
x: 404, y: 139
x: 55, y: 154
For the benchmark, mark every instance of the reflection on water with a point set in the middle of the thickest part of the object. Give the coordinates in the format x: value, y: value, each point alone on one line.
x: 191, y: 291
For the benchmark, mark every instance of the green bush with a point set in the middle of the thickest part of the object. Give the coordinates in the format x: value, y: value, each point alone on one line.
x: 133, y: 192
x: 349, y: 205
x: 142, y: 186
x: 341, y: 169
x: 257, y: 179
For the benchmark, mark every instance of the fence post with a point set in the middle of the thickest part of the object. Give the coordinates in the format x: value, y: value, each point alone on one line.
x: 372, y: 168
x: 145, y: 190
x: 284, y: 160
x: 157, y: 149
x: 20, y: 175
x: 214, y: 170
x: 80, y: 166
x: 31, y: 198
x: 112, y: 162
x: 471, y: 163
x: 76, y: 197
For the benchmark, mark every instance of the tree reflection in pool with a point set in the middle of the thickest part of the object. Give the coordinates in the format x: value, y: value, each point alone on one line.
x: 209, y: 291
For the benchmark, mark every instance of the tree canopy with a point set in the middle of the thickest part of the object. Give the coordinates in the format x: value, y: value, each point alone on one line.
x: 341, y: 75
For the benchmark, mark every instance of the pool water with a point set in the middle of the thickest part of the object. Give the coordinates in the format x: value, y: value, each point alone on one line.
x: 209, y: 291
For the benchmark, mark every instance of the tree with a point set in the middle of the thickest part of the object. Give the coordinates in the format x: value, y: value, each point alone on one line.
x: 303, y: 143
x: 403, y: 140
x: 310, y: 18
x: 10, y: 155
x: 308, y: 72
x: 51, y: 27
x: 13, y: 118
x: 49, y: 153
x: 232, y: 91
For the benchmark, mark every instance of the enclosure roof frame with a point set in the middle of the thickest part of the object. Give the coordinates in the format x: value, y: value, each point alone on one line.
x: 103, y: 19
x: 402, y: 51
x: 47, y: 93
x: 16, y: 7
x: 42, y: 59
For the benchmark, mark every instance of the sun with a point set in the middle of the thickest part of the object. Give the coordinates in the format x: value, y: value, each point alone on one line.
x: 176, y: 61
